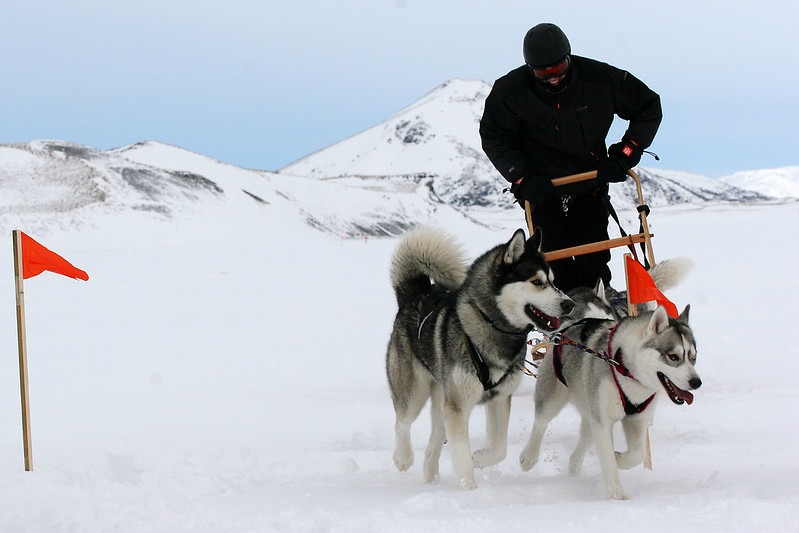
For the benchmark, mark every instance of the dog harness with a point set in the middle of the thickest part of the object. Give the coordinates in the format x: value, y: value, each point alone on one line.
x: 616, y: 365
x: 435, y: 302
x: 629, y: 407
x: 483, y: 373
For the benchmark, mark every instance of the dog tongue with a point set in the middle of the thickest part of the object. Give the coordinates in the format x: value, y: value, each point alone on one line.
x: 684, y: 395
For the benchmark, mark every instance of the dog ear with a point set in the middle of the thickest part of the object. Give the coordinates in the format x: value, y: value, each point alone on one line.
x: 659, y: 321
x: 684, y: 315
x: 515, y: 247
x: 599, y: 290
x: 535, y: 240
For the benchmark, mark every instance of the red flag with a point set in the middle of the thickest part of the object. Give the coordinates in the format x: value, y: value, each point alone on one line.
x: 642, y: 288
x: 36, y: 259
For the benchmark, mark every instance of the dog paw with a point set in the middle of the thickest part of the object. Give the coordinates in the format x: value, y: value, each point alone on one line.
x: 529, y: 456
x: 618, y: 494
x: 575, y: 466
x: 467, y: 483
x: 431, y: 478
x: 527, y: 462
x: 403, y: 461
x: 431, y: 475
x: 484, y: 458
x: 627, y: 460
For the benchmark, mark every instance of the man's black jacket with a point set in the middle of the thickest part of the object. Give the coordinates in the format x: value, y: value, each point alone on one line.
x: 527, y: 131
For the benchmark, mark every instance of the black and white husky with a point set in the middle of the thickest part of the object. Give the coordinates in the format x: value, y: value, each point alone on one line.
x: 459, y: 339
x: 612, y: 370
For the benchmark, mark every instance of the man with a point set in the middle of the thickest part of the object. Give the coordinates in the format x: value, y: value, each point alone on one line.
x: 550, y: 118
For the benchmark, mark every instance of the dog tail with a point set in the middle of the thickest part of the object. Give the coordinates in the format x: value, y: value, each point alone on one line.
x: 669, y: 273
x: 426, y: 254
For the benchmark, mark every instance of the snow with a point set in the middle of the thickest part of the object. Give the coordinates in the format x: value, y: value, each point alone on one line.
x: 777, y: 182
x: 224, y: 371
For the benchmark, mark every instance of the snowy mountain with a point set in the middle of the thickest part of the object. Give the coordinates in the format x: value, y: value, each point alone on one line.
x: 435, y: 142
x: 49, y: 184
x: 423, y: 165
x: 776, y: 182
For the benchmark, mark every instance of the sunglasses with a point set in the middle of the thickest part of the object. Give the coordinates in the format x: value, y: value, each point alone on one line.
x: 553, y: 71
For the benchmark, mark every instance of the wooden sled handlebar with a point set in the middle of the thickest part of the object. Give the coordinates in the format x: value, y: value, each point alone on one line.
x: 645, y: 236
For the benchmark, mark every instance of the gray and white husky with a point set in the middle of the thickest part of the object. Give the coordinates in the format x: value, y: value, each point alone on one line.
x: 459, y: 339
x: 643, y: 355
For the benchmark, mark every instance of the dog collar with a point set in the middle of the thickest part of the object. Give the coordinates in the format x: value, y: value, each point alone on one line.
x: 491, y: 323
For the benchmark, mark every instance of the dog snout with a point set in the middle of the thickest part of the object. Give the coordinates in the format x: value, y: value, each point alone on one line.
x: 567, y: 306
x: 695, y: 382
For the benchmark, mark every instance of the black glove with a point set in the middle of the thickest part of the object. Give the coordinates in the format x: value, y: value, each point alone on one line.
x: 610, y: 170
x: 533, y: 189
x: 627, y: 152
x: 621, y: 157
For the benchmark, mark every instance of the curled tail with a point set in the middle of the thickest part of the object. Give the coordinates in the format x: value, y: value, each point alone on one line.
x: 669, y: 273
x: 422, y: 255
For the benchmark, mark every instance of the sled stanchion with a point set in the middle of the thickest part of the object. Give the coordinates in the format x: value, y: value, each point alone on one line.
x: 528, y: 216
x: 650, y: 253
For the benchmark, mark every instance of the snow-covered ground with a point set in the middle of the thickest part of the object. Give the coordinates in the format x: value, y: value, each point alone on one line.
x: 229, y: 376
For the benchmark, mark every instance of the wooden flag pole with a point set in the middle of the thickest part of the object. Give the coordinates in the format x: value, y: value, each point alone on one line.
x: 23, y: 351
x: 632, y: 310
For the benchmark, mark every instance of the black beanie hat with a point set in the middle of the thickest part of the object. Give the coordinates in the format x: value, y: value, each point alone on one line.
x: 545, y: 45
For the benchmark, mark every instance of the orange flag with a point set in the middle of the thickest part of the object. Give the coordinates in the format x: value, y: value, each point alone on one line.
x: 642, y: 288
x: 36, y: 259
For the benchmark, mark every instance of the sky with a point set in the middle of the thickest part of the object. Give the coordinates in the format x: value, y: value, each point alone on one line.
x: 260, y: 84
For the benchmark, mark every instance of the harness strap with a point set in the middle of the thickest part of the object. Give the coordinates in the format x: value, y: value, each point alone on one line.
x: 612, y: 212
x: 557, y: 362
x: 422, y: 323
x: 433, y: 303
x: 630, y: 408
x: 483, y: 372
x: 616, y: 365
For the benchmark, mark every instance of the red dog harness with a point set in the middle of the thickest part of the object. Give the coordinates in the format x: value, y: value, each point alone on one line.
x: 616, y: 364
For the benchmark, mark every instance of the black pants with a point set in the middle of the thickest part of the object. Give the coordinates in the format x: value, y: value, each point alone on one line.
x: 585, y: 221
